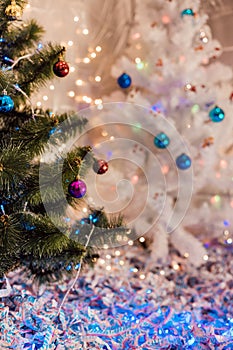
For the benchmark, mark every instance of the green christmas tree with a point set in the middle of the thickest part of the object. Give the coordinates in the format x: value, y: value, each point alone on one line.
x: 29, y: 238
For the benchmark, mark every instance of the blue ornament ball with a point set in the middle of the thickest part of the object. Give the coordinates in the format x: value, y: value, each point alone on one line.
x: 183, y: 162
x: 6, y: 103
x: 124, y: 81
x: 187, y: 12
x: 216, y: 114
x: 161, y: 140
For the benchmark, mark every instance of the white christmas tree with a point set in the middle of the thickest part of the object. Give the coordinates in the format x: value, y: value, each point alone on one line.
x: 171, y: 60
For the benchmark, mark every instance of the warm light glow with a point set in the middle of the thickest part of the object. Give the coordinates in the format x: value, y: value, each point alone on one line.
x: 85, y: 210
x: 71, y: 93
x: 176, y: 267
x: 162, y: 273
x: 98, y: 79
x: 229, y: 241
x: 142, y: 277
x: 70, y: 43
x: 186, y: 255
x: 134, y: 179
x: 108, y: 257
x: 108, y: 268
x: 76, y: 19
x: 104, y: 133
x: 166, y: 19
x: 98, y: 49
x: 205, y: 257
x: 121, y: 262
x: 105, y: 246
x: 72, y: 69
x: 138, y: 60
x: 165, y: 169
x: 223, y: 164
x: 85, y: 31
x: 98, y: 101
x: 87, y: 99
x: 45, y: 98
x: 79, y: 82
x: 93, y: 55
x: 130, y: 243
x: 39, y: 104
x: 117, y: 253
x: 86, y: 60
x: 52, y: 87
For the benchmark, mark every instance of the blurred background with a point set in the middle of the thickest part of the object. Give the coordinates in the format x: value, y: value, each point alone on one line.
x: 96, y: 33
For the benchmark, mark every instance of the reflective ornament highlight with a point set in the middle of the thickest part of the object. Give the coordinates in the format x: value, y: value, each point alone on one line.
x: 6, y: 103
x: 100, y: 167
x: 217, y: 114
x: 61, y: 68
x: 161, y: 140
x: 124, y: 81
x: 183, y: 162
x: 77, y: 189
x: 187, y: 12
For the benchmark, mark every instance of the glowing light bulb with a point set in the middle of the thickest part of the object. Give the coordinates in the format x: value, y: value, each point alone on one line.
x: 71, y: 93
x: 108, y: 268
x: 98, y: 79
x: 85, y: 210
x: 70, y: 43
x: 105, y: 246
x: 45, y: 98
x: 52, y: 87
x: 39, y: 104
x: 76, y: 19
x: 79, y: 82
x: 85, y: 31
x: 205, y: 257
x: 98, y: 48
x: 138, y: 60
x: 86, y: 60
x: 98, y: 101
x: 130, y: 243
x: 142, y: 240
x: 142, y: 277
x: 117, y: 253
x: 93, y: 55
x: 72, y: 69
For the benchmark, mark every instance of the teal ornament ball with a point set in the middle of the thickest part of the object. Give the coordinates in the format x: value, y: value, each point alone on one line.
x: 6, y: 103
x: 187, y: 12
x: 217, y: 114
x: 161, y: 140
x: 183, y: 162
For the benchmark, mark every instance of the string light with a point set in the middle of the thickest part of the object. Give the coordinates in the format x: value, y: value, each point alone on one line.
x: 117, y: 253
x: 71, y: 93
x: 93, y: 55
x: 130, y: 243
x: 142, y: 240
x: 52, y: 87
x: 98, y: 49
x: 98, y: 101
x: 76, y: 19
x: 79, y: 82
x: 39, y: 104
x: 162, y: 273
x: 98, y: 79
x: 45, y: 98
x: 206, y: 257
x: 86, y: 60
x: 70, y: 43
x: 85, y: 31
x: 142, y: 277
x: 72, y: 69
x: 108, y: 268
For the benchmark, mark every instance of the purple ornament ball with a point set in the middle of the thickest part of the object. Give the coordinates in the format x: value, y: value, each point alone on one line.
x: 77, y: 189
